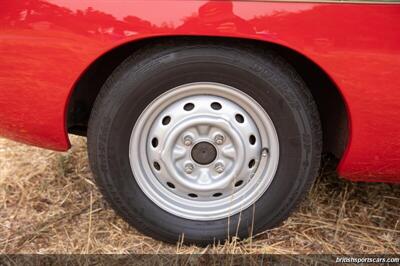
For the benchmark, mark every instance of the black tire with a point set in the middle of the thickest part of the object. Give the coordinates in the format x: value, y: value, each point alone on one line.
x: 151, y: 71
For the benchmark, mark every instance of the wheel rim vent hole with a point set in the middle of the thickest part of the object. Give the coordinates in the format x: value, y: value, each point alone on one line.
x: 157, y: 166
x: 239, y: 118
x: 252, y: 140
x: 238, y: 183
x: 166, y: 120
x: 216, y: 106
x: 188, y: 107
x: 170, y: 185
x: 218, y: 194
x: 252, y: 163
x: 192, y: 195
x: 154, y: 142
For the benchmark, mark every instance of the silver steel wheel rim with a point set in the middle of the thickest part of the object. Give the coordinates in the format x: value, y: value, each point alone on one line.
x: 180, y: 177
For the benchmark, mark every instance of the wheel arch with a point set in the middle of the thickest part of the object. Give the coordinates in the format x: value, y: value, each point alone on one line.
x: 332, y: 107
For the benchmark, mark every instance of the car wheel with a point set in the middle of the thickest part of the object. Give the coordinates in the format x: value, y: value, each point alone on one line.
x: 204, y: 141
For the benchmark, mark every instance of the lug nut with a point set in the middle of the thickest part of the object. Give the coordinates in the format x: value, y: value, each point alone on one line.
x: 219, y: 139
x: 188, y: 140
x: 189, y: 168
x: 219, y: 167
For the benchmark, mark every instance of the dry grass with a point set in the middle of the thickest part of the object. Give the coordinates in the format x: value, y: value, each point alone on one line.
x: 49, y: 204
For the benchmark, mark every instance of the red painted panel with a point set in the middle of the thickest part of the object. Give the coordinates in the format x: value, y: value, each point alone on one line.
x: 46, y: 45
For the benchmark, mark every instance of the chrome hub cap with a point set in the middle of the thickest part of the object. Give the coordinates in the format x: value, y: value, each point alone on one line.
x: 204, y: 151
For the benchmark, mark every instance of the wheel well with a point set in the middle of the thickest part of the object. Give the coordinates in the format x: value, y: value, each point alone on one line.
x: 331, y: 105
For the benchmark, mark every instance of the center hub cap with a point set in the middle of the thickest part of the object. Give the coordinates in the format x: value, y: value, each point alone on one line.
x: 204, y: 153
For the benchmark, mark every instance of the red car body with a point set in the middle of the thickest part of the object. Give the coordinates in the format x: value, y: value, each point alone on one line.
x: 46, y: 46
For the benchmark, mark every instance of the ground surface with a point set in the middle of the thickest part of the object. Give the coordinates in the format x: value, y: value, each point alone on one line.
x: 49, y: 204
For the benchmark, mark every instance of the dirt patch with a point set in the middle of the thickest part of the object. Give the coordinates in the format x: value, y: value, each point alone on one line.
x: 50, y: 204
